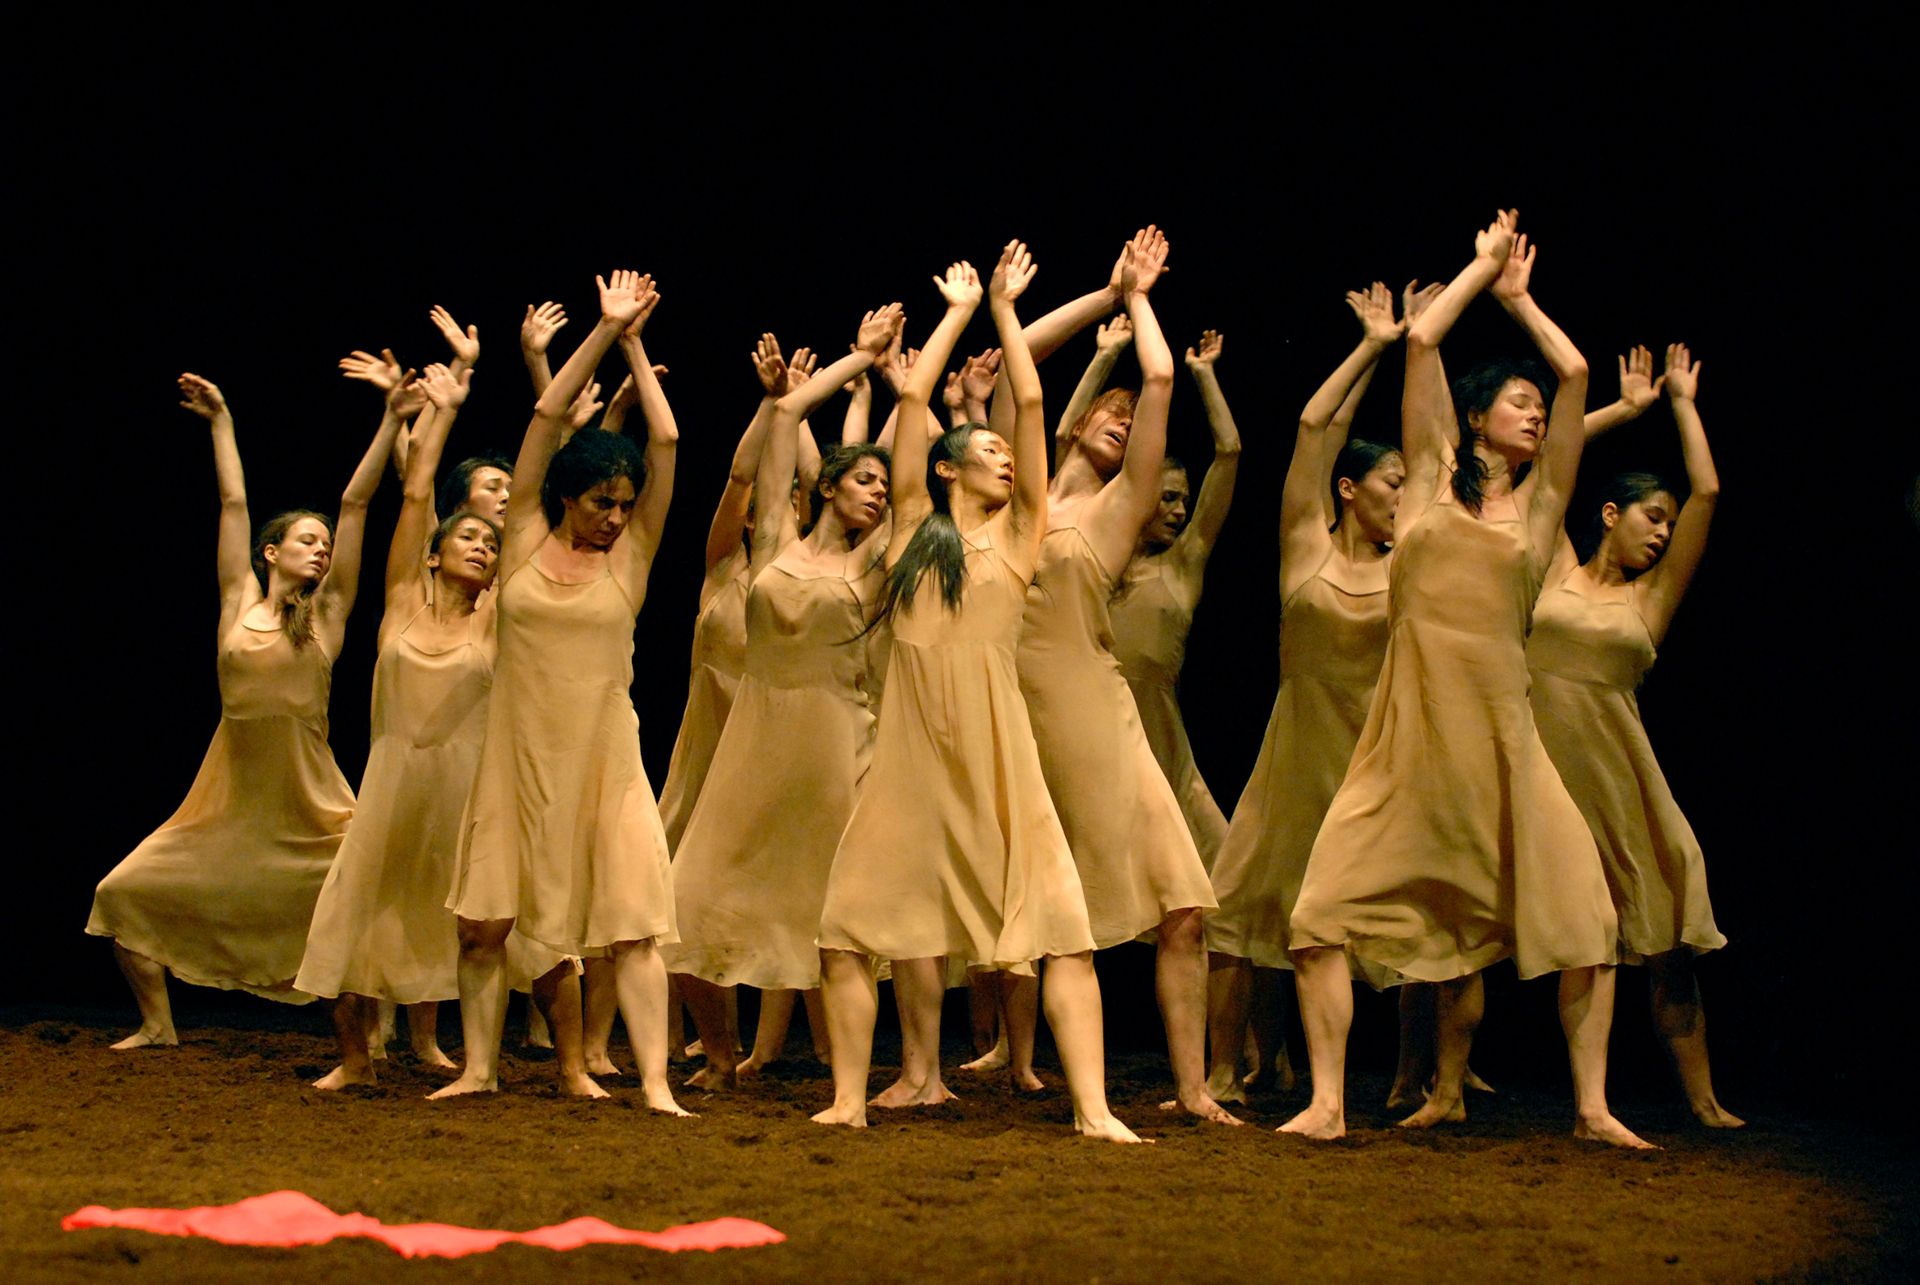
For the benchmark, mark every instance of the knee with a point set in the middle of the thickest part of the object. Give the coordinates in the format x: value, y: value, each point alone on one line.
x: 482, y: 938
x: 1183, y: 930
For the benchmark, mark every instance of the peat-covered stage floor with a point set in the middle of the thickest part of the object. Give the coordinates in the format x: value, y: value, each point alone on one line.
x: 994, y: 1187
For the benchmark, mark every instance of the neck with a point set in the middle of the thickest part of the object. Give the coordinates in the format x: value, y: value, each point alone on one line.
x: 282, y: 591
x: 1352, y: 543
x: 831, y: 533
x: 968, y: 510
x: 1499, y: 475
x: 452, y: 600
x: 1604, y: 567
x: 1077, y: 477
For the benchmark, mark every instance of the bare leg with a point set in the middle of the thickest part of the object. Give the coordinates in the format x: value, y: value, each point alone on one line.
x: 1072, y: 996
x: 1415, y: 1069
x: 1020, y: 1001
x: 483, y: 1004
x: 817, y: 1022
x: 1677, y: 1015
x: 1586, y: 1016
x: 423, y: 1033
x: 148, y: 980
x: 556, y: 993
x: 987, y: 1007
x: 770, y: 1034
x: 676, y: 1020
x: 1180, y: 982
x: 1229, y: 988
x: 852, y: 1000
x: 708, y: 1004
x: 733, y: 1020
x: 383, y: 1021
x: 1458, y: 1006
x: 1270, y: 1006
x: 602, y: 1005
x: 642, y: 981
x: 918, y: 988
x: 538, y: 1036
x: 350, y: 1026
x: 1326, y: 1010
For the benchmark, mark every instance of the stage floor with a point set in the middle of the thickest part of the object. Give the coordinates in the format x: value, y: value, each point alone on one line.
x: 994, y: 1187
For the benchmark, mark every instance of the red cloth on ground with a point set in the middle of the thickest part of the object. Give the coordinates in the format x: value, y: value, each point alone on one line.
x: 289, y: 1218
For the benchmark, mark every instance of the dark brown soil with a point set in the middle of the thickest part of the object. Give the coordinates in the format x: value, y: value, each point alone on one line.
x: 991, y: 1188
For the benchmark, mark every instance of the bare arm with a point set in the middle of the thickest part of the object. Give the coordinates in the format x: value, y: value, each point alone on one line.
x: 1112, y: 520
x: 1667, y: 583
x: 1426, y: 407
x: 858, y: 421
x: 537, y: 330
x: 1109, y: 342
x: 445, y: 393
x: 1639, y: 390
x: 663, y: 444
x: 1557, y: 466
x: 234, y: 552
x: 1195, y: 544
x: 1047, y: 334
x: 1339, y: 428
x: 907, y: 491
x: 1028, y: 519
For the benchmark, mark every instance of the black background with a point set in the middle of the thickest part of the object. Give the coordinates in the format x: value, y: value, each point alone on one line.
x: 250, y: 200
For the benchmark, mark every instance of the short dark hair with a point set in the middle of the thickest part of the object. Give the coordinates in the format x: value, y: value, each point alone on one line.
x: 447, y: 525
x: 1357, y: 458
x: 458, y: 485
x: 838, y: 462
x: 1623, y: 490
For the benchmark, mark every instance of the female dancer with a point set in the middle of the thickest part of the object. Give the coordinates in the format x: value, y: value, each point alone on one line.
x: 562, y: 837
x: 1137, y: 861
x: 1452, y: 844
x: 751, y: 873
x: 1595, y: 633
x: 953, y: 847
x: 1333, y: 635
x: 223, y: 892
x: 1158, y: 596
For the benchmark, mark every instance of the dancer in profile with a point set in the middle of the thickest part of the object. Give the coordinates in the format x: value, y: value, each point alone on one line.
x: 1138, y: 864
x: 1337, y: 508
x: 562, y: 837
x: 1595, y: 632
x: 751, y: 873
x: 221, y: 895
x: 953, y: 848
x: 1160, y: 592
x: 1452, y: 844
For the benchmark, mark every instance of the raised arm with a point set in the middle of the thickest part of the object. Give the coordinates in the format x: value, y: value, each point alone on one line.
x: 1427, y: 423
x: 663, y: 438
x: 1667, y: 583
x: 1109, y: 342
x: 384, y: 373
x: 799, y: 371
x: 1046, y: 335
x: 857, y: 424
x: 537, y: 330
x: 1209, y: 514
x: 234, y: 552
x: 730, y: 516
x: 1557, y: 466
x: 1304, y: 522
x: 1112, y: 519
x: 1639, y: 390
x: 334, y: 600
x: 445, y: 393
x: 621, y: 300
x: 1028, y: 519
x: 913, y: 430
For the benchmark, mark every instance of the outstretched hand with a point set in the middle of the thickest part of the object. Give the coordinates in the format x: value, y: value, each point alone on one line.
x: 769, y: 365
x: 465, y: 344
x: 977, y: 375
x: 954, y: 396
x: 1517, y: 272
x: 1013, y: 273
x: 627, y: 297
x: 202, y: 397
x: 383, y: 372
x: 1682, y: 379
x: 584, y: 406
x: 440, y: 386
x: 801, y: 368
x: 1114, y: 336
x: 1415, y: 298
x: 1638, y: 388
x: 1207, y: 351
x: 960, y: 287
x: 1146, y: 260
x: 1496, y: 241
x: 877, y: 329
x: 1374, y: 307
x: 540, y: 325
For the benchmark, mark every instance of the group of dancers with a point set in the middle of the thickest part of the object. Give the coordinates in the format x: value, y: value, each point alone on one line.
x: 932, y: 726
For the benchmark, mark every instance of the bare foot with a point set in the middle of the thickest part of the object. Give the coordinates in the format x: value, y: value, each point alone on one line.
x: 1107, y: 1129
x: 661, y: 1100
x: 432, y: 1055
x: 580, y: 1085
x: 1436, y: 1111
x: 145, y: 1039
x: 465, y: 1084
x: 1604, y: 1128
x: 601, y: 1064
x: 1404, y: 1095
x: 902, y: 1094
x: 748, y: 1069
x: 1027, y: 1082
x: 1715, y: 1116
x: 994, y: 1059
x: 1320, y: 1122
x: 711, y: 1079
x: 695, y: 1049
x: 1202, y: 1105
x: 1477, y: 1084
x: 1225, y: 1085
x: 339, y: 1078
x: 854, y: 1117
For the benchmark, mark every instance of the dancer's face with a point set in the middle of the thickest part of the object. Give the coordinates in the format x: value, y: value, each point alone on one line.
x: 304, y: 552
x: 469, y: 555
x: 985, y: 471
x: 487, y: 492
x: 1516, y: 423
x: 1170, y: 517
x: 1104, y: 441
x: 859, y: 496
x: 1371, y: 502
x: 598, y: 515
x: 1638, y: 534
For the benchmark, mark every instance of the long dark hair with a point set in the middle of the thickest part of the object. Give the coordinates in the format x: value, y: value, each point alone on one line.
x: 936, y: 545
x: 1357, y: 458
x: 453, y: 493
x: 297, y: 620
x: 588, y: 459
x: 1474, y: 394
x: 837, y: 463
x: 1622, y: 491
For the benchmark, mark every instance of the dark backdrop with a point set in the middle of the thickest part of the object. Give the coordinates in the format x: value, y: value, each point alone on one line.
x: 251, y: 202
